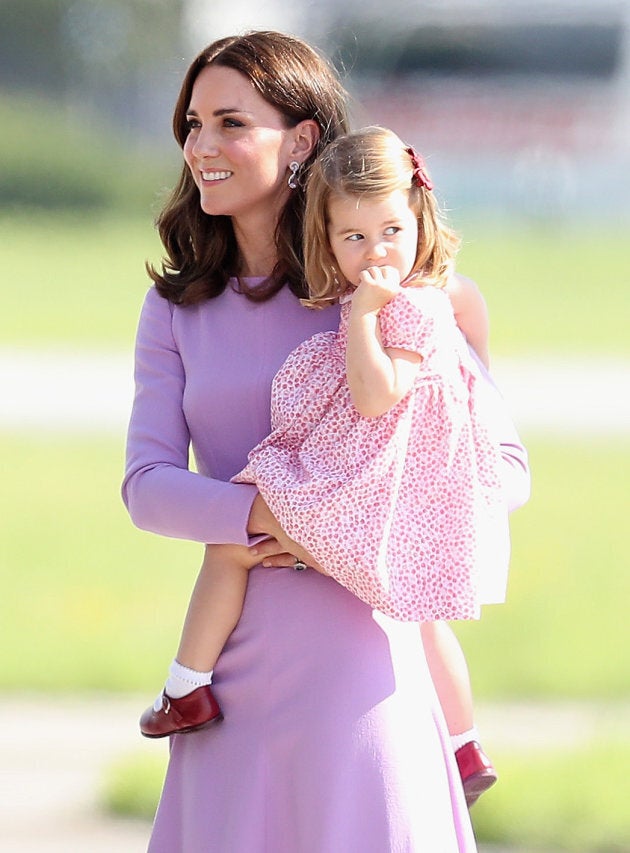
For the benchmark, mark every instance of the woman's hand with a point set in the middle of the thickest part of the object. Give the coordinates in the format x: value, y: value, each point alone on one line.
x: 283, y: 553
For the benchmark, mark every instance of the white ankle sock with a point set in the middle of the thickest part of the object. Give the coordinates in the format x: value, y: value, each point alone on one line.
x: 465, y: 737
x: 182, y: 680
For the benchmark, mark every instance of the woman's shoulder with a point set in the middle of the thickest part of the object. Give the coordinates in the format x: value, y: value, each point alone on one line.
x: 156, y: 309
x: 155, y: 302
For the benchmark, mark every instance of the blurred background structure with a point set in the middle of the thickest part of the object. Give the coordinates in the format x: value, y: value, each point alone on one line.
x: 520, y: 106
x: 522, y: 109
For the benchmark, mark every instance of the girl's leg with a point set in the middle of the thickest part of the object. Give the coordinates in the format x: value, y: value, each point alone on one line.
x: 187, y: 702
x: 449, y: 672
x: 214, y: 609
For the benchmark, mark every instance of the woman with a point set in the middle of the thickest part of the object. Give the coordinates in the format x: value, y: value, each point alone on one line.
x: 333, y: 739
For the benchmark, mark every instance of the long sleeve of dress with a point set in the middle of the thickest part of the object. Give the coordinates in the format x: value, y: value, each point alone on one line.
x: 160, y: 492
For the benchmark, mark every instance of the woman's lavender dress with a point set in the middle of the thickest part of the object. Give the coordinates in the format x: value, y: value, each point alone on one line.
x: 333, y: 739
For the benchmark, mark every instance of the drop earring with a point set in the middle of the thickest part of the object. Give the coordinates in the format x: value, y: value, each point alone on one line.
x: 294, y: 166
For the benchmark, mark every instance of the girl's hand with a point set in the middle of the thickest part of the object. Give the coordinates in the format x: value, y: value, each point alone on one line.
x: 377, y: 286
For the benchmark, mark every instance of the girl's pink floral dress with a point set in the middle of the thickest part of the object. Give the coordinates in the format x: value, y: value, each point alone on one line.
x: 405, y: 510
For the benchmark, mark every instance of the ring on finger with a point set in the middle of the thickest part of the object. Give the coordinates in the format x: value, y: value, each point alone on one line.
x: 299, y: 565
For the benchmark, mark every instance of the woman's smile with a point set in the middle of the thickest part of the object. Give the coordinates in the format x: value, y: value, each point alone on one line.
x: 211, y: 177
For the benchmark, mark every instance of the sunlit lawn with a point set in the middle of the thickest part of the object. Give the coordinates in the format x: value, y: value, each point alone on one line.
x: 562, y: 632
x: 90, y: 588
x: 90, y: 603
x: 73, y: 281
x: 98, y: 604
x: 80, y: 281
x: 555, y: 289
x: 85, y: 595
x: 556, y: 800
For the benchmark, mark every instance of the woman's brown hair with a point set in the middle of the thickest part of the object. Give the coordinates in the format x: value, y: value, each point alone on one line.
x: 372, y: 162
x: 201, y: 250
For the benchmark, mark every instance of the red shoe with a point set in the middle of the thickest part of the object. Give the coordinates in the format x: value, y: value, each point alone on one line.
x: 476, y: 771
x: 188, y: 714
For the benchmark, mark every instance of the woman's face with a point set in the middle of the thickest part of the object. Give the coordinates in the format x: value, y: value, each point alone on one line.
x: 238, y: 147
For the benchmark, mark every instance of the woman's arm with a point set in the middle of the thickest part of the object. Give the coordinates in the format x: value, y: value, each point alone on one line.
x: 160, y: 492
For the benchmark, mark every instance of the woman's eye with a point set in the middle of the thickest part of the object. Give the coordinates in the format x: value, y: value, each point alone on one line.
x: 232, y: 122
x: 192, y: 124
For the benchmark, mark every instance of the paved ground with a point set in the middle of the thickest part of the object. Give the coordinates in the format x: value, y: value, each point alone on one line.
x: 55, y: 754
x: 68, y: 390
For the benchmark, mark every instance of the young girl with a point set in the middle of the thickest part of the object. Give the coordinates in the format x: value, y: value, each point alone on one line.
x: 380, y: 463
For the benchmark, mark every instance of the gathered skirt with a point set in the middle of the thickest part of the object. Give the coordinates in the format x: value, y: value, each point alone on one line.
x: 333, y: 739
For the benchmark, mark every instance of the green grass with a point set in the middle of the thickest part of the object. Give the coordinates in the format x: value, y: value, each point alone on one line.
x: 101, y: 603
x: 80, y: 281
x: 86, y: 164
x: 563, y: 630
x: 90, y: 602
x: 558, y: 800
x: 74, y: 281
x: 132, y: 785
x: 553, y: 290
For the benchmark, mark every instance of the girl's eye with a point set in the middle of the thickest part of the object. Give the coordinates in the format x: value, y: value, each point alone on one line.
x: 393, y: 229
x: 355, y: 237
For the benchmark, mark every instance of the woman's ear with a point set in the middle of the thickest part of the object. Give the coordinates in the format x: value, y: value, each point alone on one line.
x: 306, y: 137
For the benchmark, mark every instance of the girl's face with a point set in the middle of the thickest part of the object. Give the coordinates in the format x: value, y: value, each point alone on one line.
x: 366, y: 232
x: 238, y: 147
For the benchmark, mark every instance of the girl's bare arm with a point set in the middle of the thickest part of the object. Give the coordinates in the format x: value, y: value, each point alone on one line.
x: 378, y: 376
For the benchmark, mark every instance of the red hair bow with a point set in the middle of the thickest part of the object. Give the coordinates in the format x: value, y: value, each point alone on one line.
x: 420, y: 177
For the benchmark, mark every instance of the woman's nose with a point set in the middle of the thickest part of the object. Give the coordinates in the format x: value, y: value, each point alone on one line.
x: 205, y: 144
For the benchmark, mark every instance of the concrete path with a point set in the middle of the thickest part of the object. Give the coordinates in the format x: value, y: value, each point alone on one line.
x: 55, y: 753
x: 90, y: 391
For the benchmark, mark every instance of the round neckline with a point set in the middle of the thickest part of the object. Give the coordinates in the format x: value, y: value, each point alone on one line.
x: 252, y: 281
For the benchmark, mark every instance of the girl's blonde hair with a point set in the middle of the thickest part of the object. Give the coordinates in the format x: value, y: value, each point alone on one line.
x: 371, y: 162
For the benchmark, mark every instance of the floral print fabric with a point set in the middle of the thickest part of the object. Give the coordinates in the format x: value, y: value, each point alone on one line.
x: 405, y: 510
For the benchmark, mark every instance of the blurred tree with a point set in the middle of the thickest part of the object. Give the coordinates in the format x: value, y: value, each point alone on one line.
x: 95, y: 80
x: 103, y: 54
x: 30, y: 56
